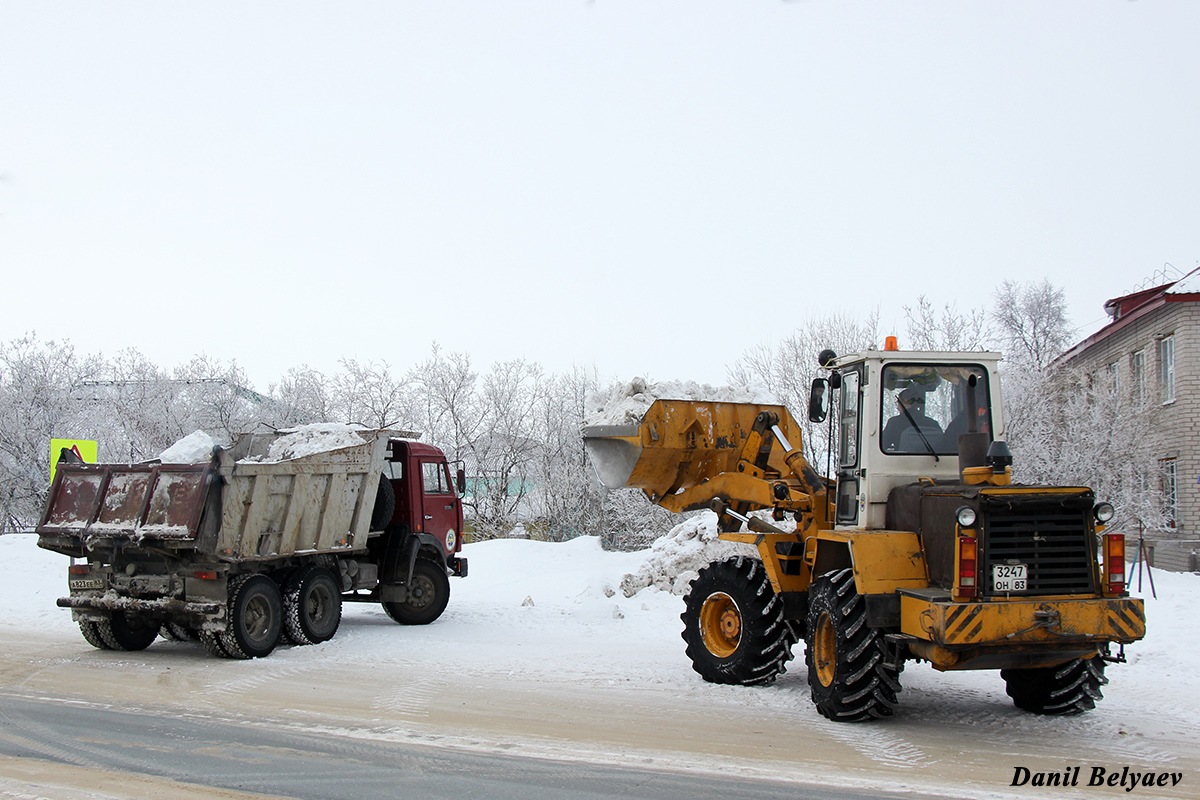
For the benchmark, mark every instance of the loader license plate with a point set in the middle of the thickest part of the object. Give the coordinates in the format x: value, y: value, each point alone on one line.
x: 1009, y: 577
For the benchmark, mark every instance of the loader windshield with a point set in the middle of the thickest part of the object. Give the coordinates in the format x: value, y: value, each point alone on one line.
x: 926, y: 406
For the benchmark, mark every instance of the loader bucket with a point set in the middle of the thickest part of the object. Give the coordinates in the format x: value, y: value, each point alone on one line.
x: 679, y: 444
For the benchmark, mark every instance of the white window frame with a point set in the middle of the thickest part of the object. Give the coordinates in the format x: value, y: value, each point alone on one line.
x: 1166, y: 368
x: 1137, y: 376
x: 1168, y: 468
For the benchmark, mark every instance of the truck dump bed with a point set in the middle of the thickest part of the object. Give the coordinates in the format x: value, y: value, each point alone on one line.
x: 239, y: 506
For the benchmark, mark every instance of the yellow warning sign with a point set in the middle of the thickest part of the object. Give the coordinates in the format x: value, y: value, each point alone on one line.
x: 84, y: 449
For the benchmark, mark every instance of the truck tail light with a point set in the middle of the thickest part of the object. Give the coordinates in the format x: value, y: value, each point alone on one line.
x: 78, y: 569
x: 205, y: 574
x: 1114, y: 562
x: 967, y: 558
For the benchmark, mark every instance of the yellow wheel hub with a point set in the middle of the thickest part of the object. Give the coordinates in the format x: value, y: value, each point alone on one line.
x: 825, y: 650
x: 720, y: 624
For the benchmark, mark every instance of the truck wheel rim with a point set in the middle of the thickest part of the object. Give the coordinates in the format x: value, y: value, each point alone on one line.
x: 825, y: 650
x: 421, y: 594
x: 720, y: 624
x: 258, y: 617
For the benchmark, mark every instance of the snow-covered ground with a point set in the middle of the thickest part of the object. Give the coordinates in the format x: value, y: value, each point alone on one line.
x: 548, y: 627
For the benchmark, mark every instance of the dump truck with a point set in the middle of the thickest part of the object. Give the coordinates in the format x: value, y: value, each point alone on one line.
x: 252, y: 547
x: 916, y: 545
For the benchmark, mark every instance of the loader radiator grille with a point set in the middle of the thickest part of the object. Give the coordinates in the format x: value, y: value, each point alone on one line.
x: 1051, y: 537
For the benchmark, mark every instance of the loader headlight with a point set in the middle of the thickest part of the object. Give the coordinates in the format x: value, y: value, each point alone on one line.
x: 1103, y: 512
x: 966, y: 517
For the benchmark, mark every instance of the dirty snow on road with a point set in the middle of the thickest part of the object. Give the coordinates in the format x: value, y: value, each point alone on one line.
x: 541, y: 647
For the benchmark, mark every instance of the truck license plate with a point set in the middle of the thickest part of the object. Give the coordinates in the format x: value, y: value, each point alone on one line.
x: 1009, y: 577
x: 86, y: 583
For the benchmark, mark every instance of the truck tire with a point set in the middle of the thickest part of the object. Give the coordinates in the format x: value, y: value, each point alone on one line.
x: 127, y: 631
x: 255, y: 617
x: 852, y: 673
x: 312, y: 605
x: 174, y: 632
x: 212, y: 644
x: 733, y: 624
x: 1070, y: 688
x: 385, y: 505
x: 88, y: 628
x: 428, y: 594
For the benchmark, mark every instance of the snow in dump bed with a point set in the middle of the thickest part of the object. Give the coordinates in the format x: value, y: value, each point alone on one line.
x: 307, y: 440
x: 195, y: 448
x: 628, y: 404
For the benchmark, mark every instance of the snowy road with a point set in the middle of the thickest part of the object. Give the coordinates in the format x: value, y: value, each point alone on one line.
x: 538, y: 656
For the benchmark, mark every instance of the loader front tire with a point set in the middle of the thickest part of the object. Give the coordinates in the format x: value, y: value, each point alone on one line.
x: 852, y: 673
x: 1070, y: 688
x: 733, y: 624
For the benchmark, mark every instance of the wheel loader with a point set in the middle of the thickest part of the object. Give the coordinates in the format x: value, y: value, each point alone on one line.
x: 917, y: 545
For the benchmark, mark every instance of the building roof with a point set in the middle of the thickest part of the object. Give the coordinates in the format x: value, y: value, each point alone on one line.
x: 1131, y: 307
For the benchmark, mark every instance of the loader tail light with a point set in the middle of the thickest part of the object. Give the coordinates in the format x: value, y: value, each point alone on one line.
x: 968, y: 556
x: 1114, y: 562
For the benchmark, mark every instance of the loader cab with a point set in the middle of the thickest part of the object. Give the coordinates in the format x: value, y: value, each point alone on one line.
x: 897, y: 420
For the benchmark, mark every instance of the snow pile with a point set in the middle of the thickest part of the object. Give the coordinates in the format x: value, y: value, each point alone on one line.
x: 629, y: 403
x: 195, y: 448
x: 308, y: 440
x: 675, y: 560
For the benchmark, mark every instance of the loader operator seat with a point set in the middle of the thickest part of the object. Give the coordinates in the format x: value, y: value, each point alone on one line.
x: 899, y: 435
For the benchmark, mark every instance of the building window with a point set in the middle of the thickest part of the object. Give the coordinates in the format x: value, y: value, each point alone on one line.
x: 1170, y: 501
x: 1137, y: 376
x: 1114, y: 375
x: 1166, y: 368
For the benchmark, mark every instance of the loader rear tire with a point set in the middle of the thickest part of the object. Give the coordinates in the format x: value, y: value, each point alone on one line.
x: 853, y: 674
x: 733, y: 624
x: 92, y: 634
x: 428, y: 594
x: 255, y: 617
x: 127, y: 631
x: 1070, y: 688
x: 312, y: 605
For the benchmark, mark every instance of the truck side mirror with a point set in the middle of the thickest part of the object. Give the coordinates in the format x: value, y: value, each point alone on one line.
x: 461, y: 480
x: 818, y: 400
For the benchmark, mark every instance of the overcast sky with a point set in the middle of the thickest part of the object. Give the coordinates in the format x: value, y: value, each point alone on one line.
x: 642, y: 187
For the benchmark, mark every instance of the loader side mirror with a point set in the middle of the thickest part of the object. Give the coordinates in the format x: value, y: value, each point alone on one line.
x: 818, y: 400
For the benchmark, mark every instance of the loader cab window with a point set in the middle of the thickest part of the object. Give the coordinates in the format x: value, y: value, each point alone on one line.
x: 926, y: 406
x: 849, y: 439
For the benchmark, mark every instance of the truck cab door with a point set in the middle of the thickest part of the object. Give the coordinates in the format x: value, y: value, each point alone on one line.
x: 849, y: 472
x: 440, y: 509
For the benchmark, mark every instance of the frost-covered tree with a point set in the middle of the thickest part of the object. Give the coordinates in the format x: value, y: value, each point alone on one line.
x: 39, y: 391
x: 786, y: 369
x: 1031, y: 321
x: 302, y: 396
x: 369, y: 394
x: 949, y: 329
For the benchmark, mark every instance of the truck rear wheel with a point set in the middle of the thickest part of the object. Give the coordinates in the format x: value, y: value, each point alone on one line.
x: 851, y: 673
x: 428, y: 594
x: 127, y: 631
x: 733, y: 624
x: 312, y: 605
x: 1070, y: 688
x: 90, y: 632
x: 255, y: 617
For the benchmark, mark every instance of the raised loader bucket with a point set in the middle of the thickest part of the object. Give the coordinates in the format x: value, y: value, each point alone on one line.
x: 679, y: 444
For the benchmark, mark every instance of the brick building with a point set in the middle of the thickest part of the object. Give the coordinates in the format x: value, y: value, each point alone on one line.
x: 1152, y: 349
